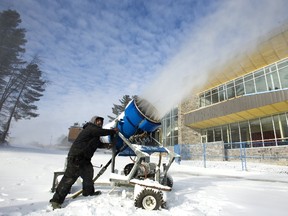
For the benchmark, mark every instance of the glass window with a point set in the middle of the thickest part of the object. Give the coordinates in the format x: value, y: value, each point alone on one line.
x: 267, y: 70
x: 215, y: 98
x: 260, y: 81
x: 218, y: 135
x: 283, y: 130
x: 222, y: 93
x: 259, y: 73
x: 267, y: 128
x: 283, y: 64
x: 230, y: 90
x: 203, y: 139
x: 170, y: 127
x: 268, y: 131
x: 202, y: 100
x: 283, y: 125
x: 248, y: 77
x: 276, y: 81
x: 256, y: 134
x: 277, y: 126
x: 273, y: 67
x: 270, y: 81
x: 244, y: 131
x: 210, y: 137
x: 239, y: 86
x: 234, y: 133
x: 283, y: 74
x: 175, y: 125
x: 207, y: 98
x: 249, y: 84
x: 225, y: 134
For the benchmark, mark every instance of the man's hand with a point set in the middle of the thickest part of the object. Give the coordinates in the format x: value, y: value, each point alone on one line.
x: 109, y: 145
x: 116, y: 130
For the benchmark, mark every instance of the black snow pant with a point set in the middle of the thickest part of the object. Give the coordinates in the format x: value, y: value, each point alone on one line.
x: 75, y: 168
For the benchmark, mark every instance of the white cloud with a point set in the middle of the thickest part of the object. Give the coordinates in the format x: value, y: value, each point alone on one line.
x: 94, y: 52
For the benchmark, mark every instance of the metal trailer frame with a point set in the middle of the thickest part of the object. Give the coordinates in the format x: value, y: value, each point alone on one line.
x: 151, y: 196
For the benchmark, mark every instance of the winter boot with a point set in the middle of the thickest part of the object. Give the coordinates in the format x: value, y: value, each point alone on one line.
x: 55, y: 205
x: 96, y: 193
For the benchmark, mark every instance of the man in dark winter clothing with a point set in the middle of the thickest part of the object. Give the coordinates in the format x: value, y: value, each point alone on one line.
x: 79, y: 160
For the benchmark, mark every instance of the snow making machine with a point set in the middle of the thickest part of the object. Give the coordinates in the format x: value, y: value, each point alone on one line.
x: 151, y: 180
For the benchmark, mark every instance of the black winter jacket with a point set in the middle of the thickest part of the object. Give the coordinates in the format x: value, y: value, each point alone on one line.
x: 88, y: 141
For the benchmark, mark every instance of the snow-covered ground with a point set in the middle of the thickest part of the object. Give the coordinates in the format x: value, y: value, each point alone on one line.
x: 221, y: 189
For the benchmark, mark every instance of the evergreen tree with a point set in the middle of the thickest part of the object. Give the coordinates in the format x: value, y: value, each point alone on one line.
x: 12, y: 40
x: 118, y: 109
x: 30, y: 86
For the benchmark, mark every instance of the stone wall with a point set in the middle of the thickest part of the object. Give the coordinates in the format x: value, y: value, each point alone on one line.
x: 216, y: 152
x: 185, y: 133
x: 272, y: 155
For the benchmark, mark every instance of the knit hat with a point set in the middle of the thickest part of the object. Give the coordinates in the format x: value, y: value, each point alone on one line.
x: 93, y: 119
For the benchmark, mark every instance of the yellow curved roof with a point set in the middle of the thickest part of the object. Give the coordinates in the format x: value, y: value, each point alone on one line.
x: 270, y: 50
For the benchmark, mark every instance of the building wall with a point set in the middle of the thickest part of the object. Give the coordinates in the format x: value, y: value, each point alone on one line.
x: 169, y: 128
x: 216, y: 152
x: 273, y: 48
x: 272, y: 155
x: 187, y: 135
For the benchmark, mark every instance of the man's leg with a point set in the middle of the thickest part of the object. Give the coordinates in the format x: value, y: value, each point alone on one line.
x: 70, y: 176
x: 87, y: 173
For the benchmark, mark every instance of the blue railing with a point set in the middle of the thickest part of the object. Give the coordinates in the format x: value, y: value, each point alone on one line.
x: 219, y: 151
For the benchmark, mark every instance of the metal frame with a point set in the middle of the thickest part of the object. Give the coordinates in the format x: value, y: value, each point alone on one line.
x: 140, y: 156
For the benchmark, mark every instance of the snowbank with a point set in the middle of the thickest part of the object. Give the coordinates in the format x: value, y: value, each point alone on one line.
x: 220, y: 189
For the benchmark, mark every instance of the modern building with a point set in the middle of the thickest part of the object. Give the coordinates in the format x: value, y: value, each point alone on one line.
x: 243, y: 104
x: 169, y: 130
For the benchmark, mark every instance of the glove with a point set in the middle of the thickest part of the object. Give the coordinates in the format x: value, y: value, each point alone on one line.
x: 109, y: 145
x: 116, y: 130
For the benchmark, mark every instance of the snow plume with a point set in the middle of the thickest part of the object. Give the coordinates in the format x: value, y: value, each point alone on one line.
x: 232, y: 28
x: 147, y: 109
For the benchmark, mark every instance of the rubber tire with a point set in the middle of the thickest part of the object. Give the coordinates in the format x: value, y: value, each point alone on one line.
x: 149, y: 199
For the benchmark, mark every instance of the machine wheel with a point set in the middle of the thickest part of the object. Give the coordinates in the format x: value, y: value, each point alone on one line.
x: 149, y: 199
x: 169, y: 181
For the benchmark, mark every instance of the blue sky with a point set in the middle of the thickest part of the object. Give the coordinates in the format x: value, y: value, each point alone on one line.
x: 94, y: 52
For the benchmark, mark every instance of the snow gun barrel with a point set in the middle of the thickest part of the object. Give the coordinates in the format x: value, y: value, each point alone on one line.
x: 139, y: 116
